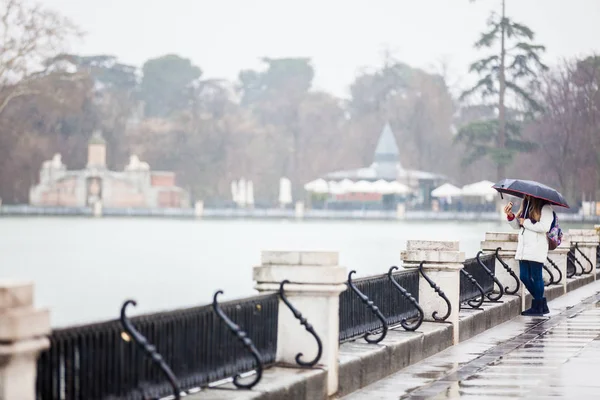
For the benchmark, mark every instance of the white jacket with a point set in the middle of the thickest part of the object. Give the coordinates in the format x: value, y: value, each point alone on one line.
x: 533, y: 242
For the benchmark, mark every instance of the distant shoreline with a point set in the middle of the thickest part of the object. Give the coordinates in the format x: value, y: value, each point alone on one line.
x: 272, y: 213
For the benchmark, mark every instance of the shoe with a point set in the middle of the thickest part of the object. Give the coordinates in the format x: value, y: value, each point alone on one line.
x: 536, y: 309
x: 545, y: 309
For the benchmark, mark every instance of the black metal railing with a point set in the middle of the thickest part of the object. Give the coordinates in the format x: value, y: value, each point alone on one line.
x: 470, y: 291
x: 559, y: 275
x: 100, y: 361
x: 356, y: 319
x: 508, y: 290
x: 598, y: 257
x: 574, y: 266
x: 586, y: 261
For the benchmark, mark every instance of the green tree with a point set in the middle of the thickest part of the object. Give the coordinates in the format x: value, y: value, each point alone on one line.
x: 482, y: 136
x: 115, y: 103
x: 166, y: 84
x: 511, y: 67
x: 106, y: 70
x: 275, y: 96
x: 288, y: 77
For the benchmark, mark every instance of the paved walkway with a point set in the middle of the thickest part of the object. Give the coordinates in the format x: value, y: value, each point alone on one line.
x: 553, y: 357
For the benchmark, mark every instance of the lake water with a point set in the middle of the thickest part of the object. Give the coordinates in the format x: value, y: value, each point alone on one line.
x: 85, y: 268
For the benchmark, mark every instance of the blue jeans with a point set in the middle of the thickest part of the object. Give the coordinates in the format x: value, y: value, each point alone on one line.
x: 532, y: 278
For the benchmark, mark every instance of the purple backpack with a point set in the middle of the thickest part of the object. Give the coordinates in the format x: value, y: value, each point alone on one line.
x: 555, y: 234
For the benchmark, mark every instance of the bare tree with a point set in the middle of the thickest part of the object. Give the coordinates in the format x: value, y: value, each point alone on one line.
x: 37, y: 96
x: 29, y: 36
x: 568, y: 131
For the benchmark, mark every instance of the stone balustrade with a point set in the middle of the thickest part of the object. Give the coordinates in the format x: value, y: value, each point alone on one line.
x: 587, y: 241
x: 442, y: 262
x: 23, y: 331
x: 315, y: 282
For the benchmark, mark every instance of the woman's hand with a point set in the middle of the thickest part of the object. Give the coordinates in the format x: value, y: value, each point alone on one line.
x: 508, y: 210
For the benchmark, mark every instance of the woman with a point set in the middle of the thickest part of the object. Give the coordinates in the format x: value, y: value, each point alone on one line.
x: 534, y: 219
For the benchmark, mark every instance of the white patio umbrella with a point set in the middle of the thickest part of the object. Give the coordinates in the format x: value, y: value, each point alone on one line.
x: 285, y: 191
x: 346, y: 185
x: 234, y: 191
x: 317, y: 186
x: 446, y: 190
x: 336, y: 188
x: 383, y: 187
x: 250, y: 193
x: 400, y: 188
x: 363, y: 187
x: 480, y: 189
x: 241, y: 192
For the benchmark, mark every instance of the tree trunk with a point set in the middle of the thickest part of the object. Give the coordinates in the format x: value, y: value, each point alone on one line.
x: 502, y: 91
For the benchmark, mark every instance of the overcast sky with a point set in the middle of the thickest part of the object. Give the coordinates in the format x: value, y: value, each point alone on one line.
x: 341, y: 36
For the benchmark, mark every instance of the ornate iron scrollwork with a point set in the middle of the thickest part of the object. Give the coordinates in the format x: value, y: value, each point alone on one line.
x: 560, y: 275
x: 575, y: 261
x: 571, y: 274
x: 549, y: 272
x: 439, y: 292
x: 373, y: 308
x: 306, y: 325
x: 586, y: 259
x: 410, y: 298
x: 511, y: 272
x: 491, y: 274
x: 246, y: 341
x: 474, y: 303
x: 150, y: 349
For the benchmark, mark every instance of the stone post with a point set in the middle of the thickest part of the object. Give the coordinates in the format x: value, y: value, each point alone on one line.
x: 400, y: 211
x: 22, y: 338
x: 198, y: 209
x: 97, y: 209
x: 316, y: 281
x: 559, y: 256
x: 443, y: 262
x: 587, y: 240
x: 299, y: 210
x: 507, y: 242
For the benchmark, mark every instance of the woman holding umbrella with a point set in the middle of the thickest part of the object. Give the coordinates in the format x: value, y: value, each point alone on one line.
x: 534, y: 218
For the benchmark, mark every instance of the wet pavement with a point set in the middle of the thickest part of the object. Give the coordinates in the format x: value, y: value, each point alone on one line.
x: 553, y: 357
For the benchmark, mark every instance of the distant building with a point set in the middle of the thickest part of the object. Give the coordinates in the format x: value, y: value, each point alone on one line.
x: 135, y: 187
x: 384, y: 182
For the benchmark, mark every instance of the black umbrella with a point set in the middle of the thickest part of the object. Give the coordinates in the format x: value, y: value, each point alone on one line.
x: 522, y: 188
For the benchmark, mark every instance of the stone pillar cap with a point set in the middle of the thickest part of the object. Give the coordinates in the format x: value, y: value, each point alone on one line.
x: 308, y: 258
x: 432, y: 252
x: 436, y: 245
x: 434, y: 266
x: 301, y: 274
x: 583, y: 239
x: 504, y: 246
x: 501, y: 237
x: 15, y: 294
x: 583, y: 232
x: 300, y: 267
x: 432, y: 256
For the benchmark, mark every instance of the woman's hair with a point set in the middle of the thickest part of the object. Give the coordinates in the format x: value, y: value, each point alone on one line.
x: 534, y: 208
